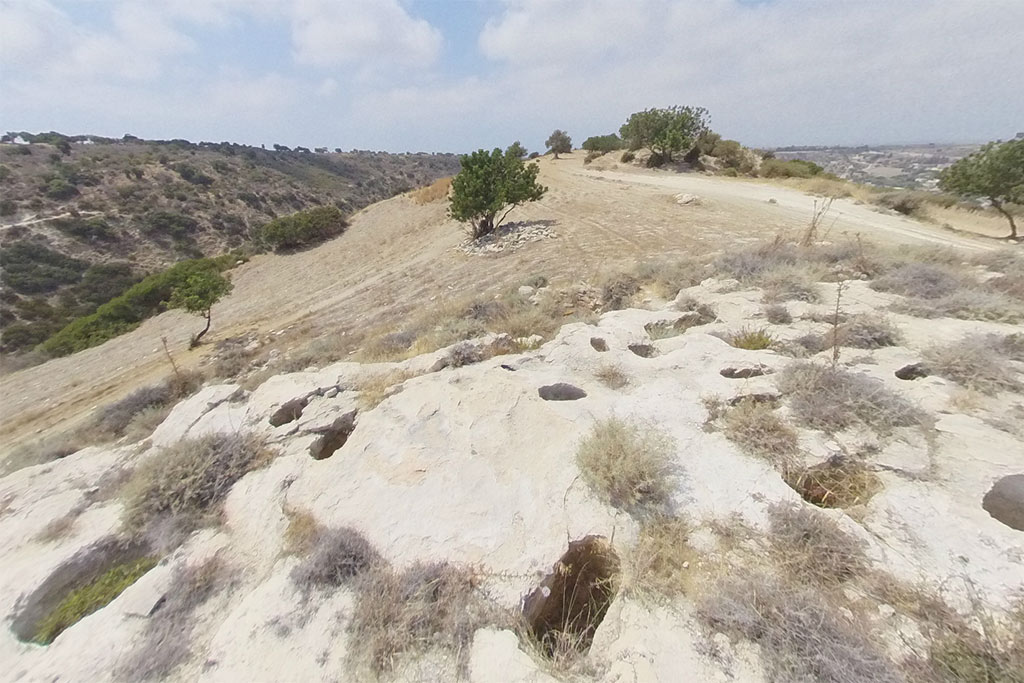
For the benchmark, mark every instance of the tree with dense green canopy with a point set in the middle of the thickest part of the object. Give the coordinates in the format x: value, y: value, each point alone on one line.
x: 664, y: 131
x: 559, y: 142
x: 197, y: 294
x: 603, y: 143
x: 491, y: 183
x: 995, y: 172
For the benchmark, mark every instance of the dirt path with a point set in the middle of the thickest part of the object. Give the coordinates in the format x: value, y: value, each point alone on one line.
x: 397, y: 257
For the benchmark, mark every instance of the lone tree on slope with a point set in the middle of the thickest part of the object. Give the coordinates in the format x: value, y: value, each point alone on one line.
x: 559, y: 142
x: 491, y: 183
x: 995, y: 172
x: 665, y: 131
x: 197, y: 294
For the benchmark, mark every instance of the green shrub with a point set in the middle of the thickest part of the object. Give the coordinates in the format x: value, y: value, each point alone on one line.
x: 83, y: 601
x: 177, y: 226
x: 59, y: 188
x: 32, y: 268
x: 87, y: 229
x: 125, y: 312
x: 304, y: 228
x: 603, y: 143
x: 794, y: 168
x: 8, y: 207
x: 751, y: 340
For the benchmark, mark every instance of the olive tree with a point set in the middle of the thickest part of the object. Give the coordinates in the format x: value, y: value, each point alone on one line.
x: 664, y: 131
x: 559, y: 142
x: 995, y: 172
x: 197, y: 294
x: 489, y: 184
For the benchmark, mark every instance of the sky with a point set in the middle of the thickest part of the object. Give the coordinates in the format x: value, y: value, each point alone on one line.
x: 457, y: 75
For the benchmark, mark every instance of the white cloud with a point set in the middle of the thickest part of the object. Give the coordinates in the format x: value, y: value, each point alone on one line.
x: 371, y: 34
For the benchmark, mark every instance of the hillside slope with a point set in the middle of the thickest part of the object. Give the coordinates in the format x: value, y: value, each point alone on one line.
x: 399, y: 258
x: 78, y: 227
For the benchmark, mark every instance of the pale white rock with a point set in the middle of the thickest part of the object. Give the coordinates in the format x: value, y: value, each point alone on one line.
x: 187, y: 413
x: 497, y: 658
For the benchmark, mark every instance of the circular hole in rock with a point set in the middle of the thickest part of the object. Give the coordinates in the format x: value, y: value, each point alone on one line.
x: 643, y: 350
x: 837, y: 483
x: 599, y: 344
x: 86, y: 583
x: 1005, y: 501
x: 565, y: 610
x: 912, y: 371
x: 561, y: 392
x: 745, y: 373
x: 333, y: 437
x: 288, y: 412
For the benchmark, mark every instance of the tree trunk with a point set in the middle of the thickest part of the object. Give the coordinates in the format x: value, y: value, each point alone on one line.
x: 1009, y: 216
x: 555, y: 157
x: 195, y: 340
x: 483, y: 227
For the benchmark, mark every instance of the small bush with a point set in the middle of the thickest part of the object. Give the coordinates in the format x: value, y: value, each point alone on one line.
x: 113, y: 419
x: 618, y: 290
x: 759, y: 431
x: 832, y: 399
x: 778, y: 314
x: 790, y: 283
x: 629, y: 467
x: 660, y: 559
x: 627, y: 157
x: 591, y: 156
x: 864, y: 332
x: 612, y: 376
x: 921, y: 281
x: 906, y: 203
x: 978, y: 362
x: 304, y: 228
x: 603, y: 143
x: 465, y: 353
x: 183, y: 486
x: 338, y: 558
x: 751, y: 339
x: 91, y: 597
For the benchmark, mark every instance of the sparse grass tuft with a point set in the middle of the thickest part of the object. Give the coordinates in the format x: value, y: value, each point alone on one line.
x: 832, y: 399
x: 978, y: 362
x: 612, y: 376
x: 302, y: 532
x: 182, y: 486
x: 373, y: 390
x: 91, y: 597
x: 338, y: 557
x: 759, y: 431
x: 629, y: 466
x: 751, y: 339
x: 863, y: 332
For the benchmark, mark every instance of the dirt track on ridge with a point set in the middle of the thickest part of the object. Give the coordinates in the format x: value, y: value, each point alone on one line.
x: 397, y: 256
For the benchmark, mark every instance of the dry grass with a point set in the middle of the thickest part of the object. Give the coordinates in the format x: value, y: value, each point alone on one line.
x: 759, y: 431
x: 791, y: 283
x: 802, y: 634
x: 965, y: 304
x: 612, y: 376
x: 832, y: 399
x: 665, y: 277
x: 181, y: 488
x: 750, y: 339
x: 660, y: 562
x: 979, y: 362
x: 863, y: 332
x: 373, y: 390
x: 337, y: 557
x: 809, y: 546
x: 166, y: 641
x: 629, y: 466
x: 59, y: 528
x: 922, y: 280
x: 302, y: 532
x: 424, y: 607
x: 618, y: 291
x: 434, y: 192
x: 838, y: 483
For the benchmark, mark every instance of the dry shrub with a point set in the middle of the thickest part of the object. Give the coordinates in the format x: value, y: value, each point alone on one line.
x: 618, y: 291
x: 666, y: 277
x: 979, y: 362
x: 832, y: 399
x: 838, y: 483
x: 612, y: 376
x: 1005, y: 260
x: 812, y: 548
x: 660, y: 560
x: 302, y: 532
x: 434, y: 192
x: 803, y: 636
x: 427, y: 606
x: 750, y: 264
x: 338, y: 557
x: 373, y: 390
x: 791, y: 283
x: 145, y: 422
x: 706, y: 312
x: 112, y: 420
x: 181, y: 488
x: 166, y: 642
x: 778, y: 314
x: 45, y: 450
x: 759, y: 431
x: 629, y: 466
x: 863, y: 332
x: 965, y: 304
x: 1010, y: 285
x: 922, y: 280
